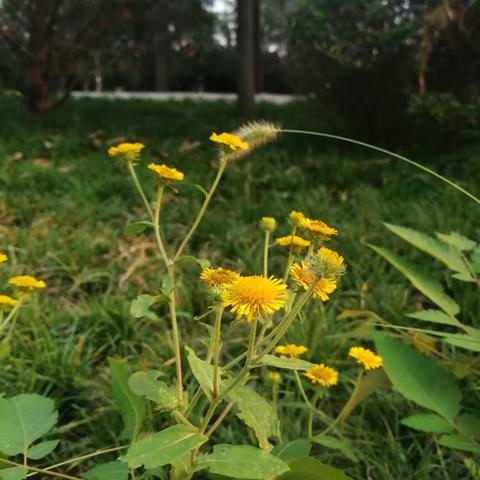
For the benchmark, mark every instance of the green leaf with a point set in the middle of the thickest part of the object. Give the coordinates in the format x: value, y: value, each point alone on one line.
x: 42, y: 449
x: 337, y: 444
x: 256, y: 413
x: 472, y: 467
x: 132, y: 407
x: 5, y: 350
x: 145, y: 384
x: 190, y: 260
x: 137, y: 227
x: 457, y: 240
x: 242, y: 461
x: 419, y: 378
x: 13, y: 473
x: 164, y: 447
x: 469, y: 425
x: 310, y: 468
x: 461, y: 340
x: 434, y: 316
x: 24, y: 419
x: 438, y: 249
x: 201, y: 189
x: 108, y: 471
x: 428, y: 422
x: 140, y: 307
x: 459, y: 442
x: 429, y: 286
x: 202, y: 371
x: 294, y: 449
x: 284, y: 362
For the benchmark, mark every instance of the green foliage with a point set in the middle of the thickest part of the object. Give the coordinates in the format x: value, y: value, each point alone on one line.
x: 147, y: 385
x: 428, y: 422
x: 13, y: 473
x: 337, y: 444
x: 310, y: 468
x: 294, y: 449
x: 285, y: 362
x: 108, y: 471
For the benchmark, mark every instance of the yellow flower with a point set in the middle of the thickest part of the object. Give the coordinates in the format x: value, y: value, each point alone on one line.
x: 269, y: 224
x: 217, y: 277
x: 291, y: 350
x: 130, y: 151
x: 317, y: 228
x: 26, y: 282
x: 323, y: 375
x: 296, y: 218
x: 274, y: 377
x: 329, y: 263
x: 165, y: 172
x: 3, y: 257
x: 366, y: 357
x: 7, y: 301
x: 304, y: 276
x: 297, y: 243
x: 233, y: 141
x: 254, y: 296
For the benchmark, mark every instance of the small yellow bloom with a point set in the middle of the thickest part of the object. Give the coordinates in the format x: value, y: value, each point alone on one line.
x: 254, y: 296
x: 3, y: 257
x: 304, y: 276
x: 233, y: 141
x: 167, y: 173
x: 218, y: 277
x: 6, y: 300
x: 329, y: 263
x: 366, y: 357
x: 130, y: 151
x: 296, y: 218
x: 274, y: 377
x: 26, y: 282
x: 294, y: 241
x: 323, y: 375
x: 318, y: 229
x: 291, y: 350
x: 269, y: 224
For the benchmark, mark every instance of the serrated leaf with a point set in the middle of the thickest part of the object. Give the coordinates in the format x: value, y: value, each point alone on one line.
x: 285, y: 362
x: 294, y: 449
x: 132, y: 407
x: 310, y: 468
x: 137, y: 227
x: 457, y: 240
x: 459, y: 442
x: 146, y: 384
x: 257, y: 413
x: 164, y: 447
x: 108, y: 471
x: 426, y: 284
x: 42, y: 449
x: 23, y: 420
x: 242, y: 461
x: 428, y: 422
x: 419, y: 378
x: 434, y: 316
x: 140, y: 306
x: 13, y: 473
x: 337, y: 444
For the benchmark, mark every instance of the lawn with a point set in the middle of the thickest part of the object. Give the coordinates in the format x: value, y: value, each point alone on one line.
x: 64, y: 206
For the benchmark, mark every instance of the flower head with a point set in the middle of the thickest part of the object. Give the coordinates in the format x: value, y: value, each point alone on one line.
x: 3, y: 257
x: 296, y: 218
x: 366, y: 357
x: 275, y: 377
x: 323, y: 375
x: 269, y: 224
x: 305, y: 275
x: 218, y: 277
x: 7, y: 301
x: 291, y: 350
x: 233, y: 141
x: 26, y: 282
x: 166, y: 173
x: 129, y: 151
x: 329, y: 263
x: 293, y: 241
x: 317, y: 229
x: 254, y: 296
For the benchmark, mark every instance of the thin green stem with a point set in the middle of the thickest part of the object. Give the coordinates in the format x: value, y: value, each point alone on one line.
x: 291, y: 255
x: 156, y: 225
x: 38, y: 470
x: 216, y: 349
x: 265, y: 253
x: 11, y: 314
x: 203, y: 209
x: 392, y: 154
x: 139, y: 188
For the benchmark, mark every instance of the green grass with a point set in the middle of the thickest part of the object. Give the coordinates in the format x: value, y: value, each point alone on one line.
x: 63, y: 208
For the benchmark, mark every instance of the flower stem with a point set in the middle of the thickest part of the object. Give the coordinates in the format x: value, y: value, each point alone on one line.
x: 156, y: 225
x: 291, y: 255
x: 265, y: 253
x: 216, y: 349
x: 38, y: 470
x: 139, y: 188
x: 11, y: 314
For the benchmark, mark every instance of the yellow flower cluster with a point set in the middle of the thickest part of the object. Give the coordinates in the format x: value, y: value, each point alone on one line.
x: 366, y: 358
x: 305, y: 275
x: 129, y: 151
x: 24, y: 284
x: 293, y: 241
x: 323, y: 375
x: 229, y: 139
x: 218, y: 277
x: 269, y: 224
x: 3, y: 257
x: 291, y: 350
x: 166, y: 173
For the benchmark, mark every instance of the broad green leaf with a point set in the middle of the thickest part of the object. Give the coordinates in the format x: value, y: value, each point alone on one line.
x: 459, y: 442
x: 108, y: 471
x: 428, y: 422
x: 13, y: 473
x: 337, y: 444
x: 310, y: 468
x: 464, y: 277
x: 434, y: 316
x: 140, y: 307
x: 164, y: 447
x: 202, y: 371
x: 131, y: 406
x: 461, y: 340
x: 284, y: 362
x: 457, y: 240
x: 469, y: 424
x: 242, y: 461
x: 24, y: 419
x: 429, y: 286
x: 190, y: 260
x: 145, y: 384
x: 438, y: 249
x: 137, y: 227
x: 294, y: 449
x: 257, y: 413
x: 475, y: 260
x: 419, y: 378
x: 42, y: 449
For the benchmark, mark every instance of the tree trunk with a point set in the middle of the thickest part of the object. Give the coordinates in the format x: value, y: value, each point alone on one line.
x: 246, y: 51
